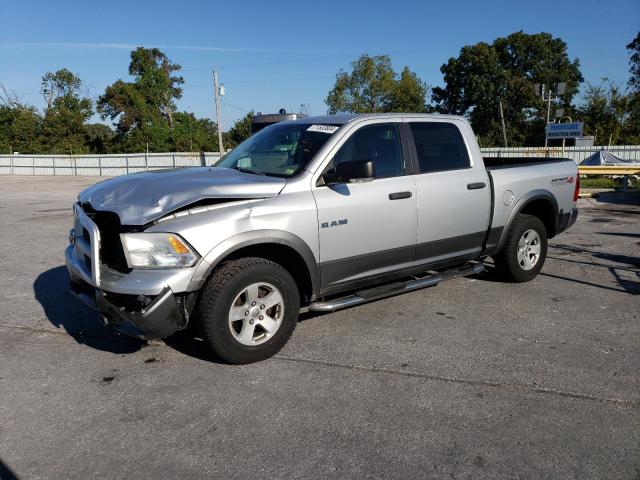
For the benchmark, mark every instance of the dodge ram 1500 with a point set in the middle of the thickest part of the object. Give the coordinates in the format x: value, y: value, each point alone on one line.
x: 324, y: 213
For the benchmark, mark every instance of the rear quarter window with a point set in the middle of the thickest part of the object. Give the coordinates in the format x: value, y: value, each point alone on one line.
x: 439, y: 146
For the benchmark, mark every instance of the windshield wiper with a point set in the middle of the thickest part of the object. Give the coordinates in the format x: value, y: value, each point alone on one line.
x: 248, y: 170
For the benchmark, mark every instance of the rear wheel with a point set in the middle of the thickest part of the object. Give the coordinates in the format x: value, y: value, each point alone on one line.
x: 525, y: 250
x: 248, y: 310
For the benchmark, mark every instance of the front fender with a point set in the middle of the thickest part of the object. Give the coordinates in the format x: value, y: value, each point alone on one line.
x: 256, y: 237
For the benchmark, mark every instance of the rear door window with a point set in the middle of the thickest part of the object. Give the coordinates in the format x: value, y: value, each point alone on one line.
x: 439, y: 147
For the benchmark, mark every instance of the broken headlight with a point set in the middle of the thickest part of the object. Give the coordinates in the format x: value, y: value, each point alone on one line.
x: 157, y: 250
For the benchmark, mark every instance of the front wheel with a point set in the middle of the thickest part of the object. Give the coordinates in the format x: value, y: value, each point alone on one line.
x: 248, y: 310
x: 525, y: 250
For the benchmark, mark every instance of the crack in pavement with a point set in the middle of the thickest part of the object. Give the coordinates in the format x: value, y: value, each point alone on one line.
x: 521, y: 387
x: 465, y: 381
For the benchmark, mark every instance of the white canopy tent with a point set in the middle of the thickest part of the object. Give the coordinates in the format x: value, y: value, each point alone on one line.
x: 605, y: 158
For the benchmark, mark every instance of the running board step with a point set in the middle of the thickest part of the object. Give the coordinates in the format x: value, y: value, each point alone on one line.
x: 396, y: 288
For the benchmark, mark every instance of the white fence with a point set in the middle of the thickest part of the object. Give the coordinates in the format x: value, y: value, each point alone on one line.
x: 101, y: 165
x: 112, y: 165
x: 577, y: 154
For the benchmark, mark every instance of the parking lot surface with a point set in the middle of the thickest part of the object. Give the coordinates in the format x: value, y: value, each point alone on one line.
x: 470, y: 379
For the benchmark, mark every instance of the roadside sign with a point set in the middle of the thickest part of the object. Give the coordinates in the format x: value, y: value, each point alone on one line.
x: 564, y: 130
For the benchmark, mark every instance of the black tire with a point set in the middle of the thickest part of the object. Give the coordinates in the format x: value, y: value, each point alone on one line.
x: 220, y: 291
x: 507, y: 265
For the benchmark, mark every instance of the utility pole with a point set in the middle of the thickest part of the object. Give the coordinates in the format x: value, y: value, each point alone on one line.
x: 217, y: 97
x: 546, y: 139
x: 504, y: 130
x: 560, y: 89
x: 548, y: 100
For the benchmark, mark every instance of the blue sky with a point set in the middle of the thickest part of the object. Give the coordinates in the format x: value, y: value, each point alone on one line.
x: 281, y: 54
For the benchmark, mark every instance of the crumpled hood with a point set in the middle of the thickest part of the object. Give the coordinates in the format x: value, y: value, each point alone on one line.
x: 140, y: 198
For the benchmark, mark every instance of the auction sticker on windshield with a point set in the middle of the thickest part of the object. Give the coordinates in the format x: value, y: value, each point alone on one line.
x: 323, y: 128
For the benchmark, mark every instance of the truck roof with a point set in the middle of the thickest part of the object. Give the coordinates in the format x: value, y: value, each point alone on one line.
x: 343, y: 118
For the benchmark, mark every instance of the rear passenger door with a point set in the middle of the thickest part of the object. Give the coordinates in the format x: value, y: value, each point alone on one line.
x: 454, y: 196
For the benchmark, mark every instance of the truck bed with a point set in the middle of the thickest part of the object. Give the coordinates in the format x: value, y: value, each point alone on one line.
x: 512, y: 178
x: 492, y: 163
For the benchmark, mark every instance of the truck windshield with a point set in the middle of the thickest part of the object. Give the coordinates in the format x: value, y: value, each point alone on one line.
x: 281, y: 150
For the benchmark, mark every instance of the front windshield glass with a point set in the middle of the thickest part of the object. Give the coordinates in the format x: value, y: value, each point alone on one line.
x: 281, y: 150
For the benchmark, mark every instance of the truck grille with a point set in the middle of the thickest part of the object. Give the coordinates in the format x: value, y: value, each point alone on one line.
x: 87, y: 246
x: 111, y: 251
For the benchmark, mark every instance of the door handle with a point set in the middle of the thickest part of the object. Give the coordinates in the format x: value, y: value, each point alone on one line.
x: 399, y: 195
x: 476, y: 186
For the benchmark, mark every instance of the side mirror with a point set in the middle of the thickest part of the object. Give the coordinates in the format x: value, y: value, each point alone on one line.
x: 360, y: 171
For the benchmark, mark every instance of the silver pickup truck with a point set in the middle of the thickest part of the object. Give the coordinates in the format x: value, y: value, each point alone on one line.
x: 324, y: 213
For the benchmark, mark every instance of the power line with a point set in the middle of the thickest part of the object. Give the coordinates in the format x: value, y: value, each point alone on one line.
x: 274, y: 80
x: 287, y: 62
x: 313, y: 60
x: 269, y: 80
x: 392, y: 52
x: 227, y: 104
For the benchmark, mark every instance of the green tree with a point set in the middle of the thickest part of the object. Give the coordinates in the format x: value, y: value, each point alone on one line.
x: 507, y: 69
x: 20, y: 125
x: 239, y: 132
x: 143, y: 110
x: 604, y: 111
x: 63, y: 123
x: 191, y: 134
x: 7, y: 117
x: 25, y: 131
x: 631, y: 128
x: 60, y: 84
x: 373, y: 86
x: 634, y: 61
x: 153, y: 74
x: 99, y: 138
x: 409, y: 93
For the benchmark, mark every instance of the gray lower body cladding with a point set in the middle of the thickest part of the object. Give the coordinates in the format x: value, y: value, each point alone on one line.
x: 405, y: 260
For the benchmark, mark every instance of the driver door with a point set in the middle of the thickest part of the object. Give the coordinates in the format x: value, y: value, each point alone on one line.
x: 368, y: 228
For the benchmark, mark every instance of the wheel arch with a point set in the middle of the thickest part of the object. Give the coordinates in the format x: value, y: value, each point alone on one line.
x: 539, y: 203
x: 284, y: 248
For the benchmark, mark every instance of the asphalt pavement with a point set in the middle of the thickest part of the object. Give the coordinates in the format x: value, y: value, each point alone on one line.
x: 470, y: 379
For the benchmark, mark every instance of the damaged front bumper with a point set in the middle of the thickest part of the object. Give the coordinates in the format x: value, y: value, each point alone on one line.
x: 148, y: 312
x: 161, y: 317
